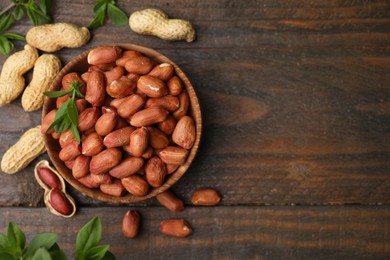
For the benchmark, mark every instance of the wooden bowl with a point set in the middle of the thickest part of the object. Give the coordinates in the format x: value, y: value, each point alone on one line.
x: 80, y: 65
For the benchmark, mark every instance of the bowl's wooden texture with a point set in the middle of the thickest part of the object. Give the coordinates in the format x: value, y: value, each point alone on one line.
x: 80, y: 65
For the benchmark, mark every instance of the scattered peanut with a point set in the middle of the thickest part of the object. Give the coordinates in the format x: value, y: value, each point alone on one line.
x: 18, y: 156
x: 131, y: 223
x: 175, y: 227
x: 53, y: 37
x: 12, y: 82
x: 46, y: 69
x: 206, y: 197
x: 155, y: 22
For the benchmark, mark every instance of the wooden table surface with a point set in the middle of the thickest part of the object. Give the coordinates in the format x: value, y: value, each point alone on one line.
x: 296, y: 103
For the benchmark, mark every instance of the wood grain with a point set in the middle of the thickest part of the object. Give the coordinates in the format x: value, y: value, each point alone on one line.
x: 296, y: 111
x: 295, y: 99
x: 348, y: 232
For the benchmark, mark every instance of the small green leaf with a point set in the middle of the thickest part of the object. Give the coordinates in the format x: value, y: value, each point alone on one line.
x: 63, y: 125
x: 15, y: 236
x: 41, y: 254
x: 32, y: 15
x: 18, y: 12
x: 75, y: 132
x: 6, y: 21
x: 57, y: 254
x: 3, y: 241
x: 99, y: 7
x: 97, y: 21
x: 72, y: 113
x: 88, y: 236
x: 45, y: 6
x: 5, y: 45
x: 57, y: 94
x: 109, y: 256
x: 14, y: 36
x: 5, y: 256
x: 43, y: 240
x: 97, y: 252
x: 116, y: 15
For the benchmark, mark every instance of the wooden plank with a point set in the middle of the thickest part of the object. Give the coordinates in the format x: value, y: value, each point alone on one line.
x: 294, y: 112
x: 347, y: 232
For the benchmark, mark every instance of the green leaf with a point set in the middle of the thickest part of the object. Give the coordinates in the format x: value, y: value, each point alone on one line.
x: 15, y: 236
x: 5, y: 22
x: 97, y: 252
x: 5, y: 45
x: 116, y: 15
x: 41, y: 254
x: 14, y: 36
x: 18, y: 12
x: 5, y: 256
x: 72, y: 113
x: 57, y: 254
x: 45, y: 6
x: 63, y: 125
x: 32, y: 15
x: 88, y: 236
x: 97, y: 21
x: 100, y: 7
x: 43, y: 240
x: 57, y: 94
x: 109, y: 256
x: 75, y: 132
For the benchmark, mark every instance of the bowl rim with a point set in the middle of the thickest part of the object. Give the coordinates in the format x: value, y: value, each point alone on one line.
x: 53, y: 148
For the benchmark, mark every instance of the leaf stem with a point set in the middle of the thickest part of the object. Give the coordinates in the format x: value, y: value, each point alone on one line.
x: 7, y: 9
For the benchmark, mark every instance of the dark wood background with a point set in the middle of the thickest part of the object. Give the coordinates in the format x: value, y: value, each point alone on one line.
x: 296, y: 103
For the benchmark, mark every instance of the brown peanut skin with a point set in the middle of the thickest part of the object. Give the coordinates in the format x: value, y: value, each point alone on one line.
x: 175, y: 86
x: 104, y: 54
x: 71, y: 78
x: 151, y: 86
x: 148, y: 116
x: 113, y: 74
x: 81, y: 166
x: 48, y: 177
x: 176, y: 228
x: 206, y: 197
x: 121, y: 87
x: 139, y: 65
x: 103, y: 178
x: 127, y: 55
x: 114, y: 189
x: 59, y: 202
x: 184, y: 101
x: 184, y: 133
x: 163, y: 71
x: 130, y: 105
x: 47, y: 121
x: 170, y: 201
x: 168, y: 125
x: 105, y: 160
x: 66, y: 137
x: 88, y: 118
x: 127, y: 167
x: 118, y: 137
x: 173, y: 155
x: 70, y: 151
x: 139, y: 141
x: 155, y: 172
x: 136, y: 185
x: 131, y: 224
x: 92, y: 145
x: 96, y: 88
x: 88, y: 181
x: 106, y: 123
x: 169, y: 103
x: 157, y: 139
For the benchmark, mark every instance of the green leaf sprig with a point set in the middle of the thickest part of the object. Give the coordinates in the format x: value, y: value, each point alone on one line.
x: 87, y: 242
x: 44, y: 246
x: 37, y: 11
x: 104, y: 8
x: 67, y: 114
